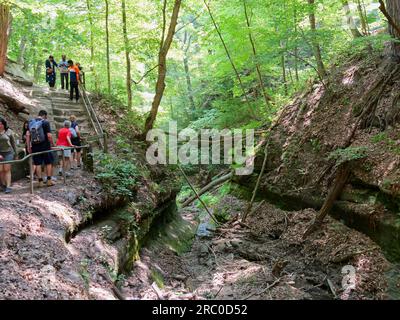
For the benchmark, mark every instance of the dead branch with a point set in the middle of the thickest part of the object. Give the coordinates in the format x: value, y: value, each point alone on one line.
x: 257, y: 184
x: 340, y: 181
x: 264, y: 290
x: 144, y: 76
x: 197, y: 195
x: 211, y: 185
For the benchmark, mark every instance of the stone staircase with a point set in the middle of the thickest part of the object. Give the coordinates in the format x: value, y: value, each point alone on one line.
x: 60, y: 108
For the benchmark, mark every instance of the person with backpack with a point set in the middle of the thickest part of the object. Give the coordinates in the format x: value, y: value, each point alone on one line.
x: 38, y: 139
x: 51, y: 66
x: 63, y: 66
x: 73, y: 80
x: 8, y: 152
x: 76, y: 141
x: 64, y: 140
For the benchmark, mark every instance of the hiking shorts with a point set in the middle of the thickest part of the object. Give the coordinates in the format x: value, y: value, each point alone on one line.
x: 7, y: 156
x: 67, y: 153
x: 46, y: 158
x: 76, y: 142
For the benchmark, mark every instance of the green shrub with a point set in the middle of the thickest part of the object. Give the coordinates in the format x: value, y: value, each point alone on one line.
x: 118, y: 176
x: 348, y: 154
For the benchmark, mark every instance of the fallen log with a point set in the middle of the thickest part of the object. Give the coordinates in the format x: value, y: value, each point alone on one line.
x: 208, y: 187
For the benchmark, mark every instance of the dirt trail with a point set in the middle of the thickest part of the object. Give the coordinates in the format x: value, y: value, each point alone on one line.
x: 268, y: 261
x: 35, y: 260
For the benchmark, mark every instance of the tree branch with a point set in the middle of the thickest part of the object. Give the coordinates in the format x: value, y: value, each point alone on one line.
x: 144, y: 76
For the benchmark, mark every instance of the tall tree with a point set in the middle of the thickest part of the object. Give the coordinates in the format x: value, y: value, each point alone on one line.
x: 363, y: 18
x: 92, y: 60
x: 315, y: 44
x: 5, y: 25
x: 267, y: 99
x: 127, y: 52
x: 108, y: 49
x: 393, y: 16
x: 165, y: 44
x: 350, y: 21
x: 185, y: 47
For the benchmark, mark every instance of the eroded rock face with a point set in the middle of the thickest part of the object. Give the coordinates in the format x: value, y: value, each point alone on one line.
x: 18, y: 74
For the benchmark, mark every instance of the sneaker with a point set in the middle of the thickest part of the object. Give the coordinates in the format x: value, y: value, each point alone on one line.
x: 50, y: 183
x: 40, y: 184
x: 60, y: 173
x: 8, y: 190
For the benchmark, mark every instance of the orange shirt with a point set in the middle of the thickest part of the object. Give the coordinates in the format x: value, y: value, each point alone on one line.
x: 74, y: 73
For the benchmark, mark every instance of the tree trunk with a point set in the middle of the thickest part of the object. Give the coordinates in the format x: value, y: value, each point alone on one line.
x: 350, y: 21
x: 5, y: 25
x: 283, y: 63
x: 92, y: 67
x: 267, y: 98
x: 36, y: 72
x: 165, y: 44
x: 21, y: 52
x: 186, y: 42
x: 393, y: 9
x: 296, y: 48
x: 315, y: 44
x: 108, y: 50
x: 128, y: 59
x: 363, y: 18
x: 244, y: 92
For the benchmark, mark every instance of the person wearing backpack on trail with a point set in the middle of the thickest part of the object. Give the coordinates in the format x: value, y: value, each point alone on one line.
x: 38, y: 139
x: 63, y: 65
x: 73, y: 80
x: 8, y: 152
x: 51, y: 66
x: 76, y: 141
x: 64, y: 140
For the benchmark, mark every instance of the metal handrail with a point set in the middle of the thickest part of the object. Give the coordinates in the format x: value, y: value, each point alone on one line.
x: 92, y: 115
x: 31, y: 155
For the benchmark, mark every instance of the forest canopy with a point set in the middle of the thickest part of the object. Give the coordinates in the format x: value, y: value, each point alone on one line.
x: 285, y: 44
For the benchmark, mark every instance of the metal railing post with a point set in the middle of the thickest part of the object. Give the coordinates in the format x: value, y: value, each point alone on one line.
x: 63, y: 166
x: 31, y: 173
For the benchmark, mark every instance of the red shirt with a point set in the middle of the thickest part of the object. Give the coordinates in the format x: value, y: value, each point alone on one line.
x: 62, y: 137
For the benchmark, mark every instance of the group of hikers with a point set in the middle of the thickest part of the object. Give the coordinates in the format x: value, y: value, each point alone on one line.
x: 71, y: 75
x: 37, y: 136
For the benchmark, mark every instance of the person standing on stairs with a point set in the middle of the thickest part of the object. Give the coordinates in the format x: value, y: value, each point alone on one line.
x: 51, y: 66
x: 73, y: 80
x: 76, y: 141
x: 64, y: 141
x: 38, y: 139
x: 63, y: 65
x: 8, y: 151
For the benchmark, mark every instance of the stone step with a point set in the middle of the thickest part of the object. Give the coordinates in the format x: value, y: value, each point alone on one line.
x: 62, y: 119
x: 68, y: 112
